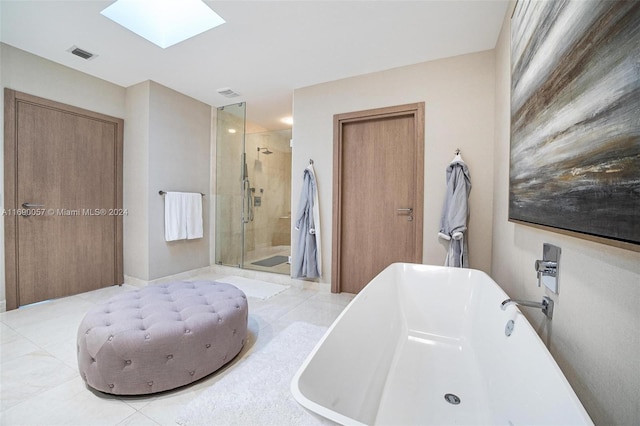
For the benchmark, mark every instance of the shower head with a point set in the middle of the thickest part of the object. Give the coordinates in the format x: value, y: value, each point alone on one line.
x: 265, y: 151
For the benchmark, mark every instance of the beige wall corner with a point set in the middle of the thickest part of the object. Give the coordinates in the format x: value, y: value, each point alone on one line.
x: 459, y: 101
x: 594, y: 332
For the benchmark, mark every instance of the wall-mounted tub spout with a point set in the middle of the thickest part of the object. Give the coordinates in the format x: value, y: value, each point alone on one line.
x: 546, y: 305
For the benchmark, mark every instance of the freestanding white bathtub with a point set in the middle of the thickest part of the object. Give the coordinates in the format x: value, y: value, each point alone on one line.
x: 427, y: 345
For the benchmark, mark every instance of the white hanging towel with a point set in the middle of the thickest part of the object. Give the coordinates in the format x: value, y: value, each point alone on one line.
x: 174, y: 217
x: 307, y: 260
x: 182, y: 216
x: 193, y: 215
x: 455, y: 211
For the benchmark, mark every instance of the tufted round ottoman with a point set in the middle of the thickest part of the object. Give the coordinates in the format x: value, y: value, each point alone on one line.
x: 161, y: 337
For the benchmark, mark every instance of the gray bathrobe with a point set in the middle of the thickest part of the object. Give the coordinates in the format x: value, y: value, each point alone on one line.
x: 453, y: 222
x: 306, y: 261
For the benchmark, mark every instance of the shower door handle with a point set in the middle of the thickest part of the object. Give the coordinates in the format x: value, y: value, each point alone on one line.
x: 245, y: 205
x: 243, y: 213
x: 247, y: 202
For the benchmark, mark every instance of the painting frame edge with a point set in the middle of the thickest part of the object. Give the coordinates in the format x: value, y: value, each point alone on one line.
x: 630, y: 245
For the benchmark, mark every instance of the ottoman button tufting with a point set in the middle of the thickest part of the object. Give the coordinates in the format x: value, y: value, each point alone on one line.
x: 99, y: 358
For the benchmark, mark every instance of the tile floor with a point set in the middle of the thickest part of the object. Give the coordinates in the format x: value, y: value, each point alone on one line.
x: 39, y: 380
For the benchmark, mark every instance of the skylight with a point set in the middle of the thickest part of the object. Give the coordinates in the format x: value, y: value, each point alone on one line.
x: 164, y: 22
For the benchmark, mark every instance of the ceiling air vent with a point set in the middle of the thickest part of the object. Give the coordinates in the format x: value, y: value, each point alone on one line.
x: 81, y: 53
x: 227, y: 92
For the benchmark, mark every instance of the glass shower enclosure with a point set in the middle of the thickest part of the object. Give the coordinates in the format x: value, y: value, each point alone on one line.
x: 253, y: 194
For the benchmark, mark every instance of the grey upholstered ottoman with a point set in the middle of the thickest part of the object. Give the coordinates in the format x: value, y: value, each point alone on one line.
x: 161, y: 337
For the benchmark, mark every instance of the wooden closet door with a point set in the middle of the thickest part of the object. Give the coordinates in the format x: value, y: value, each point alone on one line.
x: 68, y: 239
x: 380, y: 193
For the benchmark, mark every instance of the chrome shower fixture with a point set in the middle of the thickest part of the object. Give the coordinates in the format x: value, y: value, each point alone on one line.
x: 265, y: 151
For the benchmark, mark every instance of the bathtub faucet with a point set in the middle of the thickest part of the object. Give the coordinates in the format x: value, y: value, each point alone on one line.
x: 546, y: 305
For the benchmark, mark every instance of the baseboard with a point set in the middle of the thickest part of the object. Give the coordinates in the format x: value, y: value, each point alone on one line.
x: 138, y: 282
x: 222, y: 270
x: 272, y: 277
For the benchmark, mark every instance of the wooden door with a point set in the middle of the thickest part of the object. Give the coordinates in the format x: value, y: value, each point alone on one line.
x: 66, y: 234
x: 378, y: 193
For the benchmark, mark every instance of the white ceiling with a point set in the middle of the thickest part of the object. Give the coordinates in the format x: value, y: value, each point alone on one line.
x: 265, y: 50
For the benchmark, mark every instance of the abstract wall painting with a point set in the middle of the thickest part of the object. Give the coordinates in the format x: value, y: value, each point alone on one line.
x: 575, y: 117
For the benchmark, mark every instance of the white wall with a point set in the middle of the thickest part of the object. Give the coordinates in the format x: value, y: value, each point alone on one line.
x: 594, y: 334
x: 37, y: 76
x: 166, y: 146
x: 179, y: 160
x: 136, y: 181
x: 459, y: 103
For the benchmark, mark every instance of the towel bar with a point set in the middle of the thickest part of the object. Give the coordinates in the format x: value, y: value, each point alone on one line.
x: 161, y: 192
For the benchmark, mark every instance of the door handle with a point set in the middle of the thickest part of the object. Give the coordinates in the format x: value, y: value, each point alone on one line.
x: 31, y: 206
x: 408, y: 211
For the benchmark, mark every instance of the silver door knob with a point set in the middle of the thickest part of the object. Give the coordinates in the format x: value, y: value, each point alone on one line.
x: 31, y: 206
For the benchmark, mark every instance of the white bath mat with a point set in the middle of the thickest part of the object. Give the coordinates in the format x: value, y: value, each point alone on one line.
x: 254, y: 288
x: 256, y: 390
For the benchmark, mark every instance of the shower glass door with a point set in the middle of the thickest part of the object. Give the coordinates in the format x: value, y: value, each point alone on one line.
x: 230, y: 134
x: 253, y: 202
